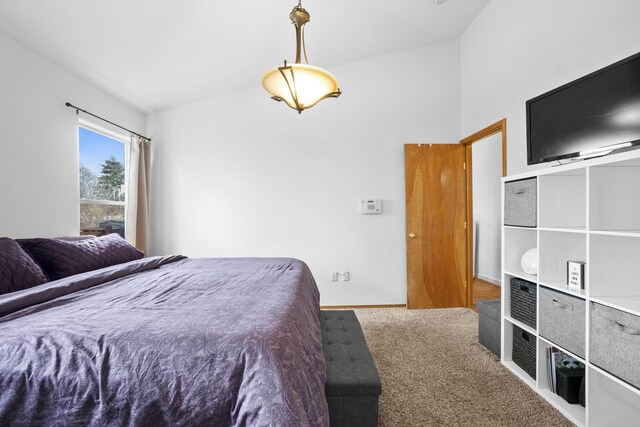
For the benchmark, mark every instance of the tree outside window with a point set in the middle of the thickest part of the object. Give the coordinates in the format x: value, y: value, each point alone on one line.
x: 102, y: 184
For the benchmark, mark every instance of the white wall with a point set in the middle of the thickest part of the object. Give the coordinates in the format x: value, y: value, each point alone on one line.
x: 516, y: 50
x: 38, y: 142
x: 487, y: 172
x: 241, y: 175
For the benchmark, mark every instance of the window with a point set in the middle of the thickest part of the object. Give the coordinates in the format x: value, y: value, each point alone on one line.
x: 102, y: 182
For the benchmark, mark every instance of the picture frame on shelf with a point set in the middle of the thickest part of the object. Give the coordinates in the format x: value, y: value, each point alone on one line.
x: 575, y: 275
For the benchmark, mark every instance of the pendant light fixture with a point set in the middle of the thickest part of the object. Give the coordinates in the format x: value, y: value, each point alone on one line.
x: 300, y: 86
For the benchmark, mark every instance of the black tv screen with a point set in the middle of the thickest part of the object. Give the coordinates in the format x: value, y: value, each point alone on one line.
x: 590, y: 116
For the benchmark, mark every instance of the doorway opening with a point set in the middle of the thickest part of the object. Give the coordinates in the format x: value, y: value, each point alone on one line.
x: 485, y: 166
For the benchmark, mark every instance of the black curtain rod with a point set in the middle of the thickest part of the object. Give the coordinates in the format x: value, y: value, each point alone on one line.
x: 68, y: 104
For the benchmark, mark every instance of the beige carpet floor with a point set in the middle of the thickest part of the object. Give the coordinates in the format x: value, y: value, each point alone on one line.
x: 434, y: 373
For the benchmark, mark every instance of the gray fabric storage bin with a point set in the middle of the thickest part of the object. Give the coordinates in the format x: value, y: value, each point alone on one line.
x: 562, y: 320
x: 615, y: 342
x: 489, y: 324
x: 524, y: 350
x: 520, y: 202
x: 523, y: 301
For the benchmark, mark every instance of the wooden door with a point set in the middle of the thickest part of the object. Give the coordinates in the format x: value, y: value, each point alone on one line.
x: 436, y: 229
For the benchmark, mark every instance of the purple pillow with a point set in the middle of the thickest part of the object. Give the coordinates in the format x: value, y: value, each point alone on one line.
x: 63, y: 258
x: 17, y: 270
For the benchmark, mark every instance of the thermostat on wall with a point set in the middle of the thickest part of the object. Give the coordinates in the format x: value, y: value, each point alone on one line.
x: 371, y: 206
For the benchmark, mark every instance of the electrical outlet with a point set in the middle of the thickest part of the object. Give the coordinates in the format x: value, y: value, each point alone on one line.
x: 334, y: 277
x: 345, y: 276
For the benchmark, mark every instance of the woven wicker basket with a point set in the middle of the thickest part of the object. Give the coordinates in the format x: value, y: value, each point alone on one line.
x: 523, y: 301
x: 524, y: 351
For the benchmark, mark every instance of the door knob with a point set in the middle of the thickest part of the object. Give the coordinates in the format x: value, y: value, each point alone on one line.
x: 412, y: 236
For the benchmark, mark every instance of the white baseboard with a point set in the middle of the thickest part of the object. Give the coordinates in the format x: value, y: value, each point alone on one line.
x: 489, y: 279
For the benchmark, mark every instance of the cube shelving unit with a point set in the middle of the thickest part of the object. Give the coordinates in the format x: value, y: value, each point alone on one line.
x: 586, y: 211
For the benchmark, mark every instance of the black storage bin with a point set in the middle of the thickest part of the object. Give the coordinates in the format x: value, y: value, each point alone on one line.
x: 568, y: 383
x: 524, y: 351
x: 523, y: 301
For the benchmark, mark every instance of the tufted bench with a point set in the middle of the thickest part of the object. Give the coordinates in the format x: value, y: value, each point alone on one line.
x: 353, y: 385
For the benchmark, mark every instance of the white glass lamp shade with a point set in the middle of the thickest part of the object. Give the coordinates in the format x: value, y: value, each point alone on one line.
x: 529, y: 261
x: 300, y: 85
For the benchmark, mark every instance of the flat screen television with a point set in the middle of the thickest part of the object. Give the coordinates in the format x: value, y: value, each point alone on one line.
x: 591, y: 116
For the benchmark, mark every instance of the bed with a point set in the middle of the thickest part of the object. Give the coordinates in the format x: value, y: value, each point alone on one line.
x: 166, y: 341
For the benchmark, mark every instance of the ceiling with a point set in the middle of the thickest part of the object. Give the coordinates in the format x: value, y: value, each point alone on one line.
x: 157, y: 54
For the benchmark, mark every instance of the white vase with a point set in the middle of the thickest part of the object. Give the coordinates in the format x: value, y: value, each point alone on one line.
x: 529, y: 261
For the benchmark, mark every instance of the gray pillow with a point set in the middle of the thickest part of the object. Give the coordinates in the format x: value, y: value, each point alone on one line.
x: 62, y: 258
x: 17, y: 270
x: 75, y: 238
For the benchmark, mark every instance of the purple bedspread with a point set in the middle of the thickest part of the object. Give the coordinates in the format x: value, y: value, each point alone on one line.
x: 166, y: 341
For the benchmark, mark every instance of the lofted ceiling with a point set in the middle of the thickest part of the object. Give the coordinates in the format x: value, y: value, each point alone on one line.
x: 157, y: 54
